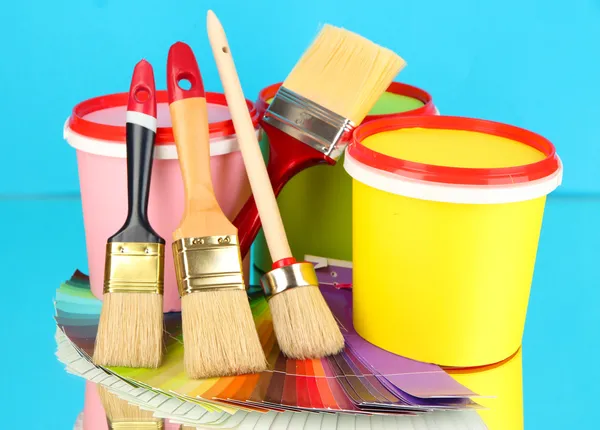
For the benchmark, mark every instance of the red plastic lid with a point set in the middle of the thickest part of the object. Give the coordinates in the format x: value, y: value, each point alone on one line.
x: 164, y: 135
x: 454, y: 175
x: 423, y: 96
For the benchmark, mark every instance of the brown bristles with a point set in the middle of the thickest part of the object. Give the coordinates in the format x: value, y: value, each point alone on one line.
x: 120, y: 411
x: 304, y: 325
x: 130, y: 330
x: 219, y: 335
x: 344, y: 72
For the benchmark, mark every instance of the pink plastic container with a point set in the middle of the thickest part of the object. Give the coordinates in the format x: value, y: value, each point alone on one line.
x: 96, y: 129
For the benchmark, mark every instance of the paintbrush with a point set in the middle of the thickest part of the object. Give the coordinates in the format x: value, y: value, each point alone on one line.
x: 218, y: 329
x: 311, y: 118
x: 121, y: 415
x: 302, y: 321
x: 130, y: 329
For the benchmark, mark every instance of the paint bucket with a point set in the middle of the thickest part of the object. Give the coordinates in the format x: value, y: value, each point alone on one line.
x: 96, y: 129
x: 501, y: 388
x: 447, y: 213
x: 315, y: 205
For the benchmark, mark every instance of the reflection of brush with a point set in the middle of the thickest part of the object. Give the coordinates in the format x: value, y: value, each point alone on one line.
x: 122, y: 415
x: 218, y: 329
x: 329, y: 92
x: 303, y: 323
x: 131, y: 322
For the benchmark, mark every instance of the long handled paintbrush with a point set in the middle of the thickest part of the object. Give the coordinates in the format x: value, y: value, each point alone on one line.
x: 130, y: 330
x: 218, y: 329
x: 329, y: 92
x: 121, y: 415
x: 302, y: 321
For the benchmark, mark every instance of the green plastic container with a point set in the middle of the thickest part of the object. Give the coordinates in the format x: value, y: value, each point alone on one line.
x: 316, y: 204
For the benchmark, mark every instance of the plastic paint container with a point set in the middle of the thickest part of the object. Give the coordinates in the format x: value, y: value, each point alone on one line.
x: 501, y: 385
x: 316, y: 204
x: 447, y: 214
x: 96, y: 129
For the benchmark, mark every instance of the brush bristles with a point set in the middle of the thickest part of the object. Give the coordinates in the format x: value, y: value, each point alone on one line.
x: 119, y: 410
x: 344, y: 72
x: 130, y: 331
x: 304, y: 325
x: 219, y: 335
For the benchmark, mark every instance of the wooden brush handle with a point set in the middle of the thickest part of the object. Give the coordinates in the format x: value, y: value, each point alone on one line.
x: 246, y: 136
x: 141, y: 135
x: 189, y: 116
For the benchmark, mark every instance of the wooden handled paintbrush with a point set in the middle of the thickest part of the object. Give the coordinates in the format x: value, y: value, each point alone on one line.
x: 218, y: 329
x: 310, y: 121
x: 302, y: 321
x: 121, y: 415
x: 130, y: 330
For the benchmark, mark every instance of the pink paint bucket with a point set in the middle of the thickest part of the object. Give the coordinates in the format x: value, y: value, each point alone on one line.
x: 96, y: 129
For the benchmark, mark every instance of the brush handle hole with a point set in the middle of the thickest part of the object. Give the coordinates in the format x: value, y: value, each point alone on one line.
x: 185, y: 81
x: 142, y: 95
x: 225, y: 50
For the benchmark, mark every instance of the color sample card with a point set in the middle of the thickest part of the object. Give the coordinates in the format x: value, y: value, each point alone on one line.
x: 362, y: 380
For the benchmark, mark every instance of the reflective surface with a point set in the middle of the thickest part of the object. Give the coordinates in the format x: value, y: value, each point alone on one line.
x: 560, y: 346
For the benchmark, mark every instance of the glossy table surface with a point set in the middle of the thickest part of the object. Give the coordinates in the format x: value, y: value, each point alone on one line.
x: 560, y: 351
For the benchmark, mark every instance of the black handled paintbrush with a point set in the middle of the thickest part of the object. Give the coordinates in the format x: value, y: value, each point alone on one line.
x: 131, y: 322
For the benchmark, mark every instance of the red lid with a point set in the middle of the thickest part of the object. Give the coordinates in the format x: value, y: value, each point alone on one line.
x: 454, y: 175
x: 164, y: 135
x: 423, y: 96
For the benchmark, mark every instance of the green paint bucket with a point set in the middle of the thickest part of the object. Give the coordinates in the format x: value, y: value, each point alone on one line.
x: 316, y: 204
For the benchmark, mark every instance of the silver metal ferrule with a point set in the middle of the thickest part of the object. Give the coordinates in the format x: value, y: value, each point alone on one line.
x: 283, y: 278
x: 310, y: 123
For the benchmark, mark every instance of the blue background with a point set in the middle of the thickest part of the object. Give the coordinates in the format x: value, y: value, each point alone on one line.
x: 531, y: 63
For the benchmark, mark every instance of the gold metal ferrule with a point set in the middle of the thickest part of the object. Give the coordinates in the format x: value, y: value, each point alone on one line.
x: 133, y: 267
x: 284, y: 278
x: 208, y: 263
x: 137, y: 425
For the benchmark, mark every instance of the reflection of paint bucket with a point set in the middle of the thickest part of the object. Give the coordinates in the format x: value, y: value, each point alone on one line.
x: 94, y: 416
x: 447, y: 214
x: 316, y: 204
x: 503, y: 383
x: 97, y: 130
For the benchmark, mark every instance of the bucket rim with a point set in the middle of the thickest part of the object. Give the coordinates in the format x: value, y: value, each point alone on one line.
x: 455, y: 175
x: 164, y: 135
x: 398, y: 88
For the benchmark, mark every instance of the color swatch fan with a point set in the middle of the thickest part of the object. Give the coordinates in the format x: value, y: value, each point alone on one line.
x: 363, y: 382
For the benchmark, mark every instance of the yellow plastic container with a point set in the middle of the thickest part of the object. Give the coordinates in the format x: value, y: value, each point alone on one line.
x: 502, y: 383
x: 447, y: 213
x: 323, y: 192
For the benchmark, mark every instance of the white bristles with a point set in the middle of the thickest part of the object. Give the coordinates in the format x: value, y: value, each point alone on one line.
x: 304, y: 325
x: 219, y: 335
x: 344, y: 72
x: 130, y: 330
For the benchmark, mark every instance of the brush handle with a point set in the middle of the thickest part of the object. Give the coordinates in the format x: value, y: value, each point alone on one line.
x: 287, y: 158
x: 140, y: 138
x: 202, y: 214
x: 246, y: 136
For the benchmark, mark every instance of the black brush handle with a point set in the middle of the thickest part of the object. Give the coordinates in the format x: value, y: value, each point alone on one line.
x: 140, y: 153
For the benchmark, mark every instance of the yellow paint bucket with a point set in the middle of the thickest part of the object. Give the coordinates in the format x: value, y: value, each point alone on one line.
x: 447, y: 213
x: 502, y: 383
